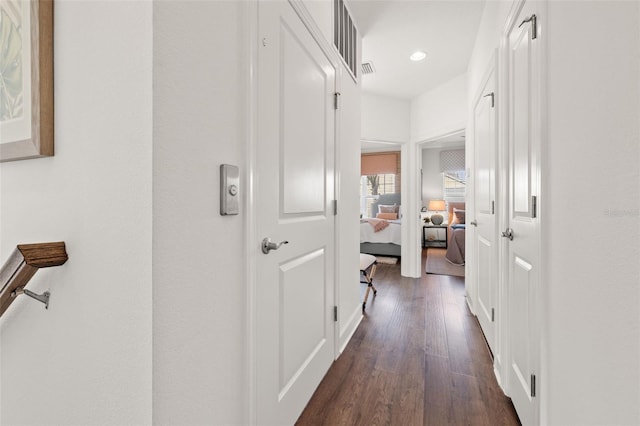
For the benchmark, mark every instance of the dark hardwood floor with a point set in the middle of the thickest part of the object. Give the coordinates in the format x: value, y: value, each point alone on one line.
x: 417, y: 358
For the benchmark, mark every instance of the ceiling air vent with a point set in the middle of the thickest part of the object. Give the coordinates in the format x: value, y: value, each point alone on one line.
x: 367, y: 68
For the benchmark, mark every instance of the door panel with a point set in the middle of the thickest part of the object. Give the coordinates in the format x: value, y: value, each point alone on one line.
x: 294, y: 186
x: 302, y: 325
x: 524, y: 180
x: 521, y: 288
x: 304, y: 139
x: 521, y: 63
x: 486, y: 160
x: 486, y: 261
x: 485, y: 196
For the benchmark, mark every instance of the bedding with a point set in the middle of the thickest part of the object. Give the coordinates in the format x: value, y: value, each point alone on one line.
x: 387, y: 241
x: 377, y: 224
x: 390, y: 234
x: 456, y: 233
x: 456, y: 247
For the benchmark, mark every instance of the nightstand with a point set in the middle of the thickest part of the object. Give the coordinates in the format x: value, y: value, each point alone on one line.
x: 434, y: 235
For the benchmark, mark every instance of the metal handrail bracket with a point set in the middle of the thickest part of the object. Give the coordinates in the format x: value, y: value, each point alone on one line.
x: 22, y: 265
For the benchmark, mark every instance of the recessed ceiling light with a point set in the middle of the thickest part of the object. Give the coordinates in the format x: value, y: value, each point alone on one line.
x: 418, y: 56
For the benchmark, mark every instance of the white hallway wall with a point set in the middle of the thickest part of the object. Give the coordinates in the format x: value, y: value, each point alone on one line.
x: 90, y: 355
x: 591, y: 274
x: 385, y: 119
x: 87, y: 359
x: 593, y: 277
x: 199, y: 279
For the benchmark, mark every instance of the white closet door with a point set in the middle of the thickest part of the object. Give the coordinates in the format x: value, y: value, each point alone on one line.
x: 294, y: 188
x: 524, y: 184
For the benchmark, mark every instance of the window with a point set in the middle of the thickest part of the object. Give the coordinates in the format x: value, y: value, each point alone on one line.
x: 370, y: 187
x: 454, y: 184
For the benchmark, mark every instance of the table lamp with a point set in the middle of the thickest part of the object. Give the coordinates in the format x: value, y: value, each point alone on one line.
x: 437, y: 206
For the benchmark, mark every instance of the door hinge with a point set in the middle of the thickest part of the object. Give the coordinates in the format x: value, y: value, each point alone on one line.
x: 335, y: 207
x: 493, y: 314
x: 493, y: 102
x: 335, y: 314
x: 493, y: 207
x: 534, y: 25
x: 534, y: 206
x: 533, y: 386
x: 336, y: 100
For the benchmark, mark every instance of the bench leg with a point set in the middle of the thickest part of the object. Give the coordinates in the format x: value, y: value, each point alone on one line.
x: 369, y: 281
x: 370, y: 287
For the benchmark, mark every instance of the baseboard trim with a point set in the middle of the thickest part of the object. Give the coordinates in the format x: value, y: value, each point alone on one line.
x: 346, y: 332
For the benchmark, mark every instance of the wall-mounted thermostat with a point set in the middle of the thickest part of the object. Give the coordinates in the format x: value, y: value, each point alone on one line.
x: 229, y: 189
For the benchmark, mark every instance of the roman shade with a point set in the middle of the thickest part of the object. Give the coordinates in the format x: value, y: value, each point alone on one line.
x: 378, y: 164
x: 452, y: 161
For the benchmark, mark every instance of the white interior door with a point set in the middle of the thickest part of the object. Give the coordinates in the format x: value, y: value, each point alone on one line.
x: 524, y: 185
x: 294, y: 189
x: 486, y: 235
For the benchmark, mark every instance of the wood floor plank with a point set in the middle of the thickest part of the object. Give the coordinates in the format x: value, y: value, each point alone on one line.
x: 459, y: 352
x: 417, y: 358
x: 438, y: 393
x: 435, y: 327
x: 470, y: 408
x: 376, y: 405
x: 408, y: 403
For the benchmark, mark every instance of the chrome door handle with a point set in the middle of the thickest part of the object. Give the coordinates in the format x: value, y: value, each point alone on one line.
x: 508, y: 234
x: 268, y: 245
x: 474, y: 223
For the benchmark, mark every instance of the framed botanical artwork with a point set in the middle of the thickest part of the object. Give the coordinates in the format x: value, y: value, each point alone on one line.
x: 26, y: 79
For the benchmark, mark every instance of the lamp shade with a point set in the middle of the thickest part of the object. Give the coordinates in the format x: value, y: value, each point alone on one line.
x: 436, y: 205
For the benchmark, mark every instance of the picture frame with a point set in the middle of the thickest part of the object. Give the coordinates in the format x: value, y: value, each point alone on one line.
x: 26, y: 70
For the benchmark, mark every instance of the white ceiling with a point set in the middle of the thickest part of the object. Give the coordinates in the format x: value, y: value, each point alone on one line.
x: 393, y: 29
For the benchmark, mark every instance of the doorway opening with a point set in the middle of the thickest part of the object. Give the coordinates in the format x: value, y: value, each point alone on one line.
x: 442, y: 188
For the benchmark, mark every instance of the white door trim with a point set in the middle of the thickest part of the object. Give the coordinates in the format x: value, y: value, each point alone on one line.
x: 250, y: 16
x: 411, y: 184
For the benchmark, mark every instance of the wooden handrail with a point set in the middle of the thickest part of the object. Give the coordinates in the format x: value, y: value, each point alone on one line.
x: 22, y: 265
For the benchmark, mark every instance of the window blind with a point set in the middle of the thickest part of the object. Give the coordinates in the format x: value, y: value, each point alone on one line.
x: 452, y: 161
x: 378, y: 164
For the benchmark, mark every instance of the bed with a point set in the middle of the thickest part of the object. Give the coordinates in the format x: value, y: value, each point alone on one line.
x: 386, y: 242
x: 456, y: 233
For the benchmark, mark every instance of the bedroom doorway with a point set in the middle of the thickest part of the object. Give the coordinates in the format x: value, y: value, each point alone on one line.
x: 381, y: 209
x: 441, y: 194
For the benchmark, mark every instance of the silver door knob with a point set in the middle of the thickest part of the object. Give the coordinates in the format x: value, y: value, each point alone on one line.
x: 268, y: 245
x: 508, y: 234
x: 474, y: 223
